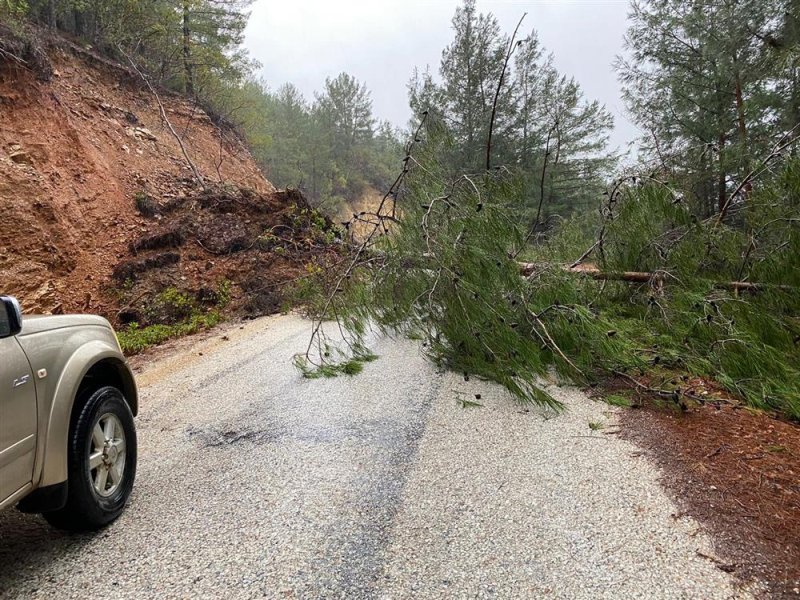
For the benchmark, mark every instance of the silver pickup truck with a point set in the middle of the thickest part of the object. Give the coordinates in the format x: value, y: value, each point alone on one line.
x: 67, y: 402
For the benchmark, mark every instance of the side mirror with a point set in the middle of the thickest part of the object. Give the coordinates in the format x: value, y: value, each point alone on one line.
x: 10, y: 316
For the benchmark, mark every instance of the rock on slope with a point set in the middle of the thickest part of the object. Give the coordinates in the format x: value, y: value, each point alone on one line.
x: 76, y: 152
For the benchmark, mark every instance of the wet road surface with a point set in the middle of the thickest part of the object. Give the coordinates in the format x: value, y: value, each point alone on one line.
x: 256, y: 483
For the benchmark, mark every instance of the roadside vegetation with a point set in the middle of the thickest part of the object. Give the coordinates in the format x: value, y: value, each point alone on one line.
x: 182, y: 315
x: 134, y: 339
x: 687, y: 267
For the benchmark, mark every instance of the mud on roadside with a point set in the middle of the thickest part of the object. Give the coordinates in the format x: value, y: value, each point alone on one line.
x: 737, y: 472
x: 227, y: 248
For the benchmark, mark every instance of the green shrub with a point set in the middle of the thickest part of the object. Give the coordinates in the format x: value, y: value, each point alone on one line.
x: 134, y: 339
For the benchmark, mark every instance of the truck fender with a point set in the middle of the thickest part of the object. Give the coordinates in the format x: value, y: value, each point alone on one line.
x: 54, y: 467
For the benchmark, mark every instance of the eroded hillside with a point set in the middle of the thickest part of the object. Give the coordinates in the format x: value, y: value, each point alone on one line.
x: 101, y: 211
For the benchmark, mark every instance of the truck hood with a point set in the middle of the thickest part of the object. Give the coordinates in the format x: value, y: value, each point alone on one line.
x: 40, y: 323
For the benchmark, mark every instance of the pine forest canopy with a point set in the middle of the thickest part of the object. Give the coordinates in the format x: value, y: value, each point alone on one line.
x: 715, y: 86
x: 184, y: 44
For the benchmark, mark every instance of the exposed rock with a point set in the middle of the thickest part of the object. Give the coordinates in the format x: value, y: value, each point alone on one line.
x: 141, y: 133
x: 21, y: 158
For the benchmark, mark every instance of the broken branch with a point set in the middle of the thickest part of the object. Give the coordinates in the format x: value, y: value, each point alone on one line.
x: 163, y: 112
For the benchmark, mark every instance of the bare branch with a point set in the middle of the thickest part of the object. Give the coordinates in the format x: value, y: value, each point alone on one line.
x: 191, y: 164
x: 511, y: 47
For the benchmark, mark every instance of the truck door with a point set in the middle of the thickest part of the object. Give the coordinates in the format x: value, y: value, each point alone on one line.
x: 17, y: 415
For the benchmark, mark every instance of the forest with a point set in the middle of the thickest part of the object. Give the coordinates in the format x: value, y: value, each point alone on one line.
x: 331, y: 146
x: 681, y: 270
x: 510, y: 237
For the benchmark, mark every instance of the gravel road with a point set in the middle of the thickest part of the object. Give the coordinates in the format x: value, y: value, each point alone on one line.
x: 256, y: 483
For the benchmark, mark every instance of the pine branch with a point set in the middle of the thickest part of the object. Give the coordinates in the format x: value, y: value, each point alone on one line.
x: 377, y: 225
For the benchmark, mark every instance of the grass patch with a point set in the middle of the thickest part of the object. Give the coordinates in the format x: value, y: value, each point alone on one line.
x: 617, y: 400
x: 135, y: 339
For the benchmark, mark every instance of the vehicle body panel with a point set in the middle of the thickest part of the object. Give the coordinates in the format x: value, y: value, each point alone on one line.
x: 61, y: 354
x: 18, y: 420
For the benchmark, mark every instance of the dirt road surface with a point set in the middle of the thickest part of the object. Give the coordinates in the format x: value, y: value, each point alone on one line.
x: 256, y: 483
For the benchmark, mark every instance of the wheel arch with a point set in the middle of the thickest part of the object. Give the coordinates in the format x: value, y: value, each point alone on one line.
x: 93, y: 365
x: 111, y: 371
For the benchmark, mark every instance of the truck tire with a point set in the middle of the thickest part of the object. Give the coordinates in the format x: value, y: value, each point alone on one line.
x: 101, y: 456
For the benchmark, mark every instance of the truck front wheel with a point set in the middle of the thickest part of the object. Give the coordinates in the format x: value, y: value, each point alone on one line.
x: 101, y: 463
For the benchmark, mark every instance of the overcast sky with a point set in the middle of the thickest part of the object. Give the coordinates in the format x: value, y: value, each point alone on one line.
x: 381, y: 41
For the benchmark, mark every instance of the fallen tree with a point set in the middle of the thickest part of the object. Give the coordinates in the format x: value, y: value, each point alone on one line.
x: 440, y: 265
x: 656, y: 278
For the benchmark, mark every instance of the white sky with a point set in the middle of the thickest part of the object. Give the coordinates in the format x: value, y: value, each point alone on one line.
x: 381, y: 41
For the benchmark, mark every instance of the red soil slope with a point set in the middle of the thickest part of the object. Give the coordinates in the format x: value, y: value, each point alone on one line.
x: 74, y: 153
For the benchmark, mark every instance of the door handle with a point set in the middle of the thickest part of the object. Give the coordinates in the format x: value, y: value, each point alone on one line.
x: 21, y: 381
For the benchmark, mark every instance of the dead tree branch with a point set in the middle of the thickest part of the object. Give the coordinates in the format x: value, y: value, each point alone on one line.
x: 511, y: 47
x: 673, y: 395
x: 545, y: 163
x: 163, y: 112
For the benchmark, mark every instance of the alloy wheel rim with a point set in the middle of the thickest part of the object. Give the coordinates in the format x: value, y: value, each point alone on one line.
x: 107, y: 455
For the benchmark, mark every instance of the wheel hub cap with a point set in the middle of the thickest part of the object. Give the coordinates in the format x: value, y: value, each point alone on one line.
x: 107, y: 455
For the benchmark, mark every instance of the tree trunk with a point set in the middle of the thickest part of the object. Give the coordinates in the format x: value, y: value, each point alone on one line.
x: 79, y: 22
x: 51, y: 14
x: 748, y: 189
x: 722, y: 196
x: 740, y: 110
x: 187, y: 51
x: 656, y: 278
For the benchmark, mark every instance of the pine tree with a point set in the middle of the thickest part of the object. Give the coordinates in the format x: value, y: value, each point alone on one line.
x: 560, y: 139
x: 288, y: 157
x: 212, y: 33
x: 699, y: 81
x: 346, y: 108
x: 191, y: 45
x: 543, y: 126
x: 470, y: 69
